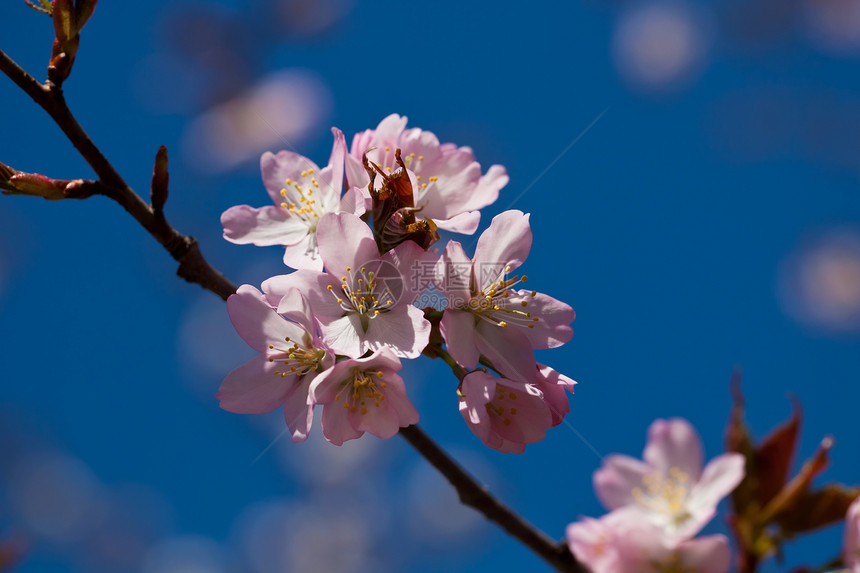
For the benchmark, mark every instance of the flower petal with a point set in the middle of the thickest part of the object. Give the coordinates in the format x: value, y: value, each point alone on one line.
x: 277, y: 168
x: 256, y: 322
x: 465, y: 223
x: 254, y: 388
x: 403, y: 330
x: 614, y: 482
x: 507, y: 241
x: 552, y: 329
x: 458, y: 330
x: 719, y: 478
x: 345, y: 241
x: 674, y: 443
x: 263, y: 227
x: 508, y: 349
x: 344, y: 335
x: 298, y: 414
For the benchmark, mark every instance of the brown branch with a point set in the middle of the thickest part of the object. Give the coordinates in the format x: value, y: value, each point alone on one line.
x: 475, y: 496
x: 194, y: 268
x: 184, y: 249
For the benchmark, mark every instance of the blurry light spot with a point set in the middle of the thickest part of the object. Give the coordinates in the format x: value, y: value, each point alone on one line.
x: 278, y: 113
x: 833, y: 25
x: 311, y: 538
x: 208, y: 345
x: 659, y: 46
x: 318, y: 462
x: 435, y: 511
x: 186, y: 554
x: 312, y: 17
x: 56, y: 496
x: 820, y: 282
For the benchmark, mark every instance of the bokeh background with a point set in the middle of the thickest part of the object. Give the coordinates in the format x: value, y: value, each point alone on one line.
x: 708, y: 220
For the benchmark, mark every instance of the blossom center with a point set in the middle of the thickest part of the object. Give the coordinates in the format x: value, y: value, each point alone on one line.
x: 497, y: 303
x: 364, y: 388
x: 664, y: 494
x: 363, y: 293
x: 299, y: 201
x: 503, y: 405
x: 297, y: 360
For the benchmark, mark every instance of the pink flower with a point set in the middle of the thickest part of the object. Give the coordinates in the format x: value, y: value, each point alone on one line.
x: 363, y: 395
x: 290, y: 358
x: 448, y: 185
x: 614, y: 545
x: 669, y: 489
x: 363, y: 301
x: 302, y: 193
x: 851, y: 544
x: 507, y: 415
x: 485, y: 315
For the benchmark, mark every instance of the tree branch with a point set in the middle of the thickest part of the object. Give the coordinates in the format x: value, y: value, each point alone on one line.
x: 193, y: 267
x: 475, y: 496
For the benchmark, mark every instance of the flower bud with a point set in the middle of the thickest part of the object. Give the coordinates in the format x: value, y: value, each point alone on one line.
x: 160, y: 179
x: 38, y: 186
x: 83, y: 10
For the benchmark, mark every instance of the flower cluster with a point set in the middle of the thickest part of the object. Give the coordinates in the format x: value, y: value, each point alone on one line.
x: 333, y: 332
x: 657, y: 506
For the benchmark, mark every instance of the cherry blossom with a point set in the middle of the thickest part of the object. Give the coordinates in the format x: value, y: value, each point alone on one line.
x: 485, y: 315
x: 448, y: 184
x: 669, y: 488
x: 302, y: 193
x: 363, y: 301
x: 506, y: 414
x: 613, y: 544
x: 363, y: 395
x: 291, y: 356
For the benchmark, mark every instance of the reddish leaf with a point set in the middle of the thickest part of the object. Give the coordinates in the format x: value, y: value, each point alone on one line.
x: 791, y: 495
x: 774, y: 456
x: 816, y: 509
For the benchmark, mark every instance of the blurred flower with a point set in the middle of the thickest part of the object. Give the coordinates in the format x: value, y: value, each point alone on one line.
x: 280, y: 111
x: 669, y: 489
x: 833, y: 25
x: 315, y: 537
x: 851, y: 543
x: 436, y: 515
x: 614, y: 544
x: 310, y: 17
x: 820, y: 282
x: 208, y: 345
x: 660, y: 46
x: 56, y: 496
x: 185, y: 554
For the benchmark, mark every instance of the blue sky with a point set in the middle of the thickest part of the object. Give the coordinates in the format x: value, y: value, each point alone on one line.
x: 708, y: 220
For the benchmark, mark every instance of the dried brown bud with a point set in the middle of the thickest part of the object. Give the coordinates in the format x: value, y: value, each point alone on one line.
x: 394, y: 210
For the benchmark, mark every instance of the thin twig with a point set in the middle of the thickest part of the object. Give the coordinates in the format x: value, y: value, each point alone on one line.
x: 184, y: 249
x: 475, y: 496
